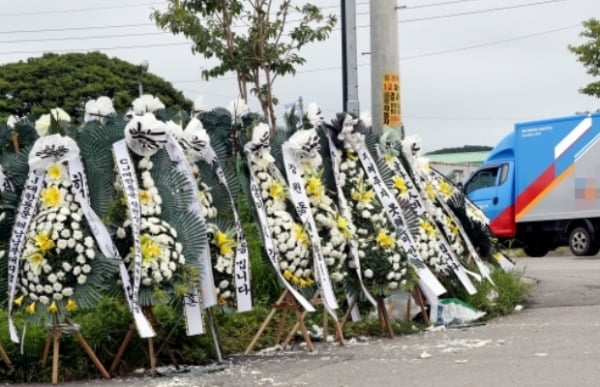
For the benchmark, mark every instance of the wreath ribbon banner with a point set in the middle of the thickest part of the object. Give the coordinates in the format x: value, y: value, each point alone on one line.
x: 301, y: 203
x: 415, y: 203
x: 106, y: 246
x: 394, y: 214
x: 207, y: 282
x: 25, y: 212
x: 126, y: 172
x: 243, y: 289
x: 343, y: 204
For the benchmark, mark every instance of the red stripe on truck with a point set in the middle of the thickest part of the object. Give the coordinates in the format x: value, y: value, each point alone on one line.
x: 534, y: 189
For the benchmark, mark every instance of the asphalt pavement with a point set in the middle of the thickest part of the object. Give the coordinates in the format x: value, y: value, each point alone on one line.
x: 553, y: 341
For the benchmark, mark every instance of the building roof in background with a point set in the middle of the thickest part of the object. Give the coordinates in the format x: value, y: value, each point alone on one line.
x: 458, y: 158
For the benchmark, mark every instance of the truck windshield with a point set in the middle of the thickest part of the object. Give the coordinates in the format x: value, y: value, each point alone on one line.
x: 482, y: 179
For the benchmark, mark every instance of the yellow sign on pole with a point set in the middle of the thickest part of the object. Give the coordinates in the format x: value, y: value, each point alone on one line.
x: 391, y: 115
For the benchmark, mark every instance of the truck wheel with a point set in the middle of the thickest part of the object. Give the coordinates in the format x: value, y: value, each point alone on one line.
x: 536, y: 249
x: 581, y: 242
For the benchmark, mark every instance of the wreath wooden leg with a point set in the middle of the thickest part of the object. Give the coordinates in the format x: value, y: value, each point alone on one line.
x: 280, y: 326
x: 384, y: 318
x: 421, y: 301
x: 158, y: 328
x: 55, y: 355
x: 122, y: 348
x: 5, y: 358
x: 348, y: 312
x: 88, y: 350
x: 46, y: 349
x: 152, y: 356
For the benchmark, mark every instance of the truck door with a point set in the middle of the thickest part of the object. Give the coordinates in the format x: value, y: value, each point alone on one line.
x: 491, y: 188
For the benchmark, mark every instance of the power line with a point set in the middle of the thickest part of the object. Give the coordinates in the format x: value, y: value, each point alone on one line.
x: 428, y: 54
x: 479, y: 11
x: 75, y: 10
x: 76, y: 28
x: 85, y: 37
x: 411, y: 7
x: 96, y: 48
x: 492, y: 43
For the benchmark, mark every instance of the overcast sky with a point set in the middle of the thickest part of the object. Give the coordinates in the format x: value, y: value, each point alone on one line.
x: 452, y: 95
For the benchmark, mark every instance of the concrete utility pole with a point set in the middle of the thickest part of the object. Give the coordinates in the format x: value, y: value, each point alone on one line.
x: 385, y: 67
x: 349, y: 61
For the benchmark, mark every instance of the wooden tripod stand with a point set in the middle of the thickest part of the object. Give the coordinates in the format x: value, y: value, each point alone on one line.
x: 151, y: 353
x: 383, y: 314
x: 54, y: 333
x: 316, y: 300
x: 285, y: 302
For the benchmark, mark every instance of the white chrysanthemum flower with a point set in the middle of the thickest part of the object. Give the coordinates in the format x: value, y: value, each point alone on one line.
x: 147, y: 103
x: 238, y: 109
x: 12, y: 121
x: 89, y: 242
x: 368, y: 273
x: 98, y: 109
x: 42, y: 124
x: 44, y: 300
x: 67, y: 292
x: 81, y: 279
x: 90, y: 253
x: 365, y: 117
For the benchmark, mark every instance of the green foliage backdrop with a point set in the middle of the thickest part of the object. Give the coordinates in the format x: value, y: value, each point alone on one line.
x: 69, y: 80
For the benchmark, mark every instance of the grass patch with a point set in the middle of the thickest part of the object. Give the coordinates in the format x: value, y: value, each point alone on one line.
x: 498, y: 300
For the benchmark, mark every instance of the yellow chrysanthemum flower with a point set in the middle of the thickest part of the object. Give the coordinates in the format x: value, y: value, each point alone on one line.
x: 314, y: 187
x: 55, y: 172
x: 351, y: 156
x: 300, y: 234
x: 287, y: 275
x: 151, y: 250
x: 389, y: 158
x: 51, y: 196
x: 451, y: 225
x: 19, y: 301
x: 53, y: 308
x: 428, y: 228
x: 430, y: 191
x: 362, y: 196
x: 498, y: 256
x: 445, y: 188
x: 35, y: 261
x: 276, y: 190
x: 30, y: 308
x: 343, y: 226
x: 145, y: 196
x: 43, y: 242
x: 384, y: 239
x: 400, y: 184
x: 71, y: 305
x: 224, y: 243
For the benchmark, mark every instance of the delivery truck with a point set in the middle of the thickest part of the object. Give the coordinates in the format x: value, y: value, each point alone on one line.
x: 540, y: 186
